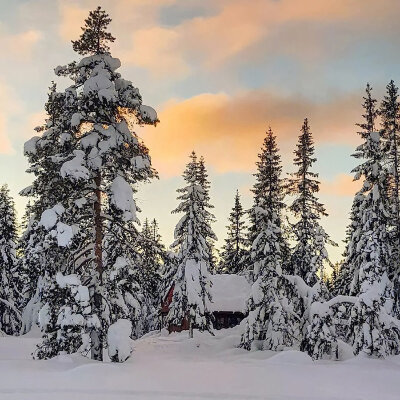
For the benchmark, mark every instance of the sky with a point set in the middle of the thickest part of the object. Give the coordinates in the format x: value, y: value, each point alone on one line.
x: 219, y: 73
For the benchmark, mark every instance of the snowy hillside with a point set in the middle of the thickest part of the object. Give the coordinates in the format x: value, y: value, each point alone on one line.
x: 174, y: 367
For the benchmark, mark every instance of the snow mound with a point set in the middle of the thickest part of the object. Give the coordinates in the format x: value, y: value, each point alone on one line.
x: 119, y: 340
x: 290, y: 357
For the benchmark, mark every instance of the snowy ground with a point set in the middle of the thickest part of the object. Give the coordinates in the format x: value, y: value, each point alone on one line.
x: 174, y: 367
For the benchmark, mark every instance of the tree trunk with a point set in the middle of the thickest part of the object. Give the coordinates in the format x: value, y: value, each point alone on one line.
x: 190, y: 327
x: 96, y: 335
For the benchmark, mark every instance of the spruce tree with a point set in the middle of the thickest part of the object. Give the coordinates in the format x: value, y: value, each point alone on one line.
x: 152, y: 254
x: 10, y: 317
x: 98, y: 162
x: 193, y: 234
x: 347, y: 279
x: 371, y: 330
x: 272, y: 305
x: 389, y: 112
x: 234, y: 249
x: 310, y: 253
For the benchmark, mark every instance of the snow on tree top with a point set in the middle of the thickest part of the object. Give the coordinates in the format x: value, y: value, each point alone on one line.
x: 229, y: 293
x: 111, y: 62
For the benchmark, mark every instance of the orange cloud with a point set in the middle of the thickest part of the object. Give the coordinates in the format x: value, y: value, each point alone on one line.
x: 20, y: 45
x: 229, y: 130
x: 72, y: 17
x: 267, y: 27
x: 342, y: 185
x: 155, y: 50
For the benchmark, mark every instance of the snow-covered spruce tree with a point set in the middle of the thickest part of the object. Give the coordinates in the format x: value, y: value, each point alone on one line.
x: 40, y: 253
x: 234, y: 248
x: 273, y: 305
x: 193, y: 235
x: 100, y: 161
x: 347, y: 279
x: 390, y: 114
x: 333, y: 279
x: 373, y: 331
x: 152, y: 255
x: 10, y: 317
x: 309, y: 253
x: 202, y: 178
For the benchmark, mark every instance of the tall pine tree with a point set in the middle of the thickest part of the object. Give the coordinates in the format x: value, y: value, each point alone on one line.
x: 100, y: 160
x: 193, y: 235
x: 371, y: 330
x: 234, y: 249
x: 310, y: 252
x: 10, y: 318
x: 272, y: 304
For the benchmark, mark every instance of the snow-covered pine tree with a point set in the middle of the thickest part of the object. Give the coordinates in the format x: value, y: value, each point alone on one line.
x: 333, y: 279
x: 272, y: 306
x: 309, y: 253
x: 152, y: 255
x: 347, y: 281
x: 233, y: 251
x: 10, y: 317
x: 100, y: 160
x: 193, y: 235
x: 373, y: 331
x: 204, y: 182
x: 390, y: 114
x: 40, y: 254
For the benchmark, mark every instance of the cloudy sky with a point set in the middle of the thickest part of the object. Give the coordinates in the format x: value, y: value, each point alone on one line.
x: 219, y: 72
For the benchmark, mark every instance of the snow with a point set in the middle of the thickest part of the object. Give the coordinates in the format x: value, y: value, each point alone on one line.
x: 122, y: 198
x: 119, y: 341
x: 65, y: 233
x: 174, y: 367
x: 101, y: 84
x: 30, y: 145
x: 148, y: 113
x: 67, y: 280
x: 76, y: 119
x: 75, y: 168
x: 50, y: 217
x: 229, y: 292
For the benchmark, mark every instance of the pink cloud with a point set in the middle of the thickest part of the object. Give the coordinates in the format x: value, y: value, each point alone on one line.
x: 341, y: 185
x: 230, y: 129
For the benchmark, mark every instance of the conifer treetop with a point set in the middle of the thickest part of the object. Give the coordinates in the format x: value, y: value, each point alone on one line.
x: 95, y: 38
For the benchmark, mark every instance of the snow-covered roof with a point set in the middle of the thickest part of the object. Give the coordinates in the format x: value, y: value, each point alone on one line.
x: 229, y: 292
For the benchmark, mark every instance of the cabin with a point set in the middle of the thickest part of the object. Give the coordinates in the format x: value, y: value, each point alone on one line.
x: 229, y: 296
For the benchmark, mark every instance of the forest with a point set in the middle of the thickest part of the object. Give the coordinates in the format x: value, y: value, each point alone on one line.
x: 82, y: 268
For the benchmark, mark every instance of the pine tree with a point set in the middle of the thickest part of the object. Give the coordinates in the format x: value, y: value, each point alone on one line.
x: 272, y: 305
x: 390, y: 114
x: 234, y: 249
x: 309, y: 254
x: 39, y: 250
x: 98, y: 162
x: 152, y: 253
x: 333, y: 279
x: 95, y: 38
x: 10, y: 317
x: 371, y: 331
x: 193, y: 234
x: 347, y: 282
